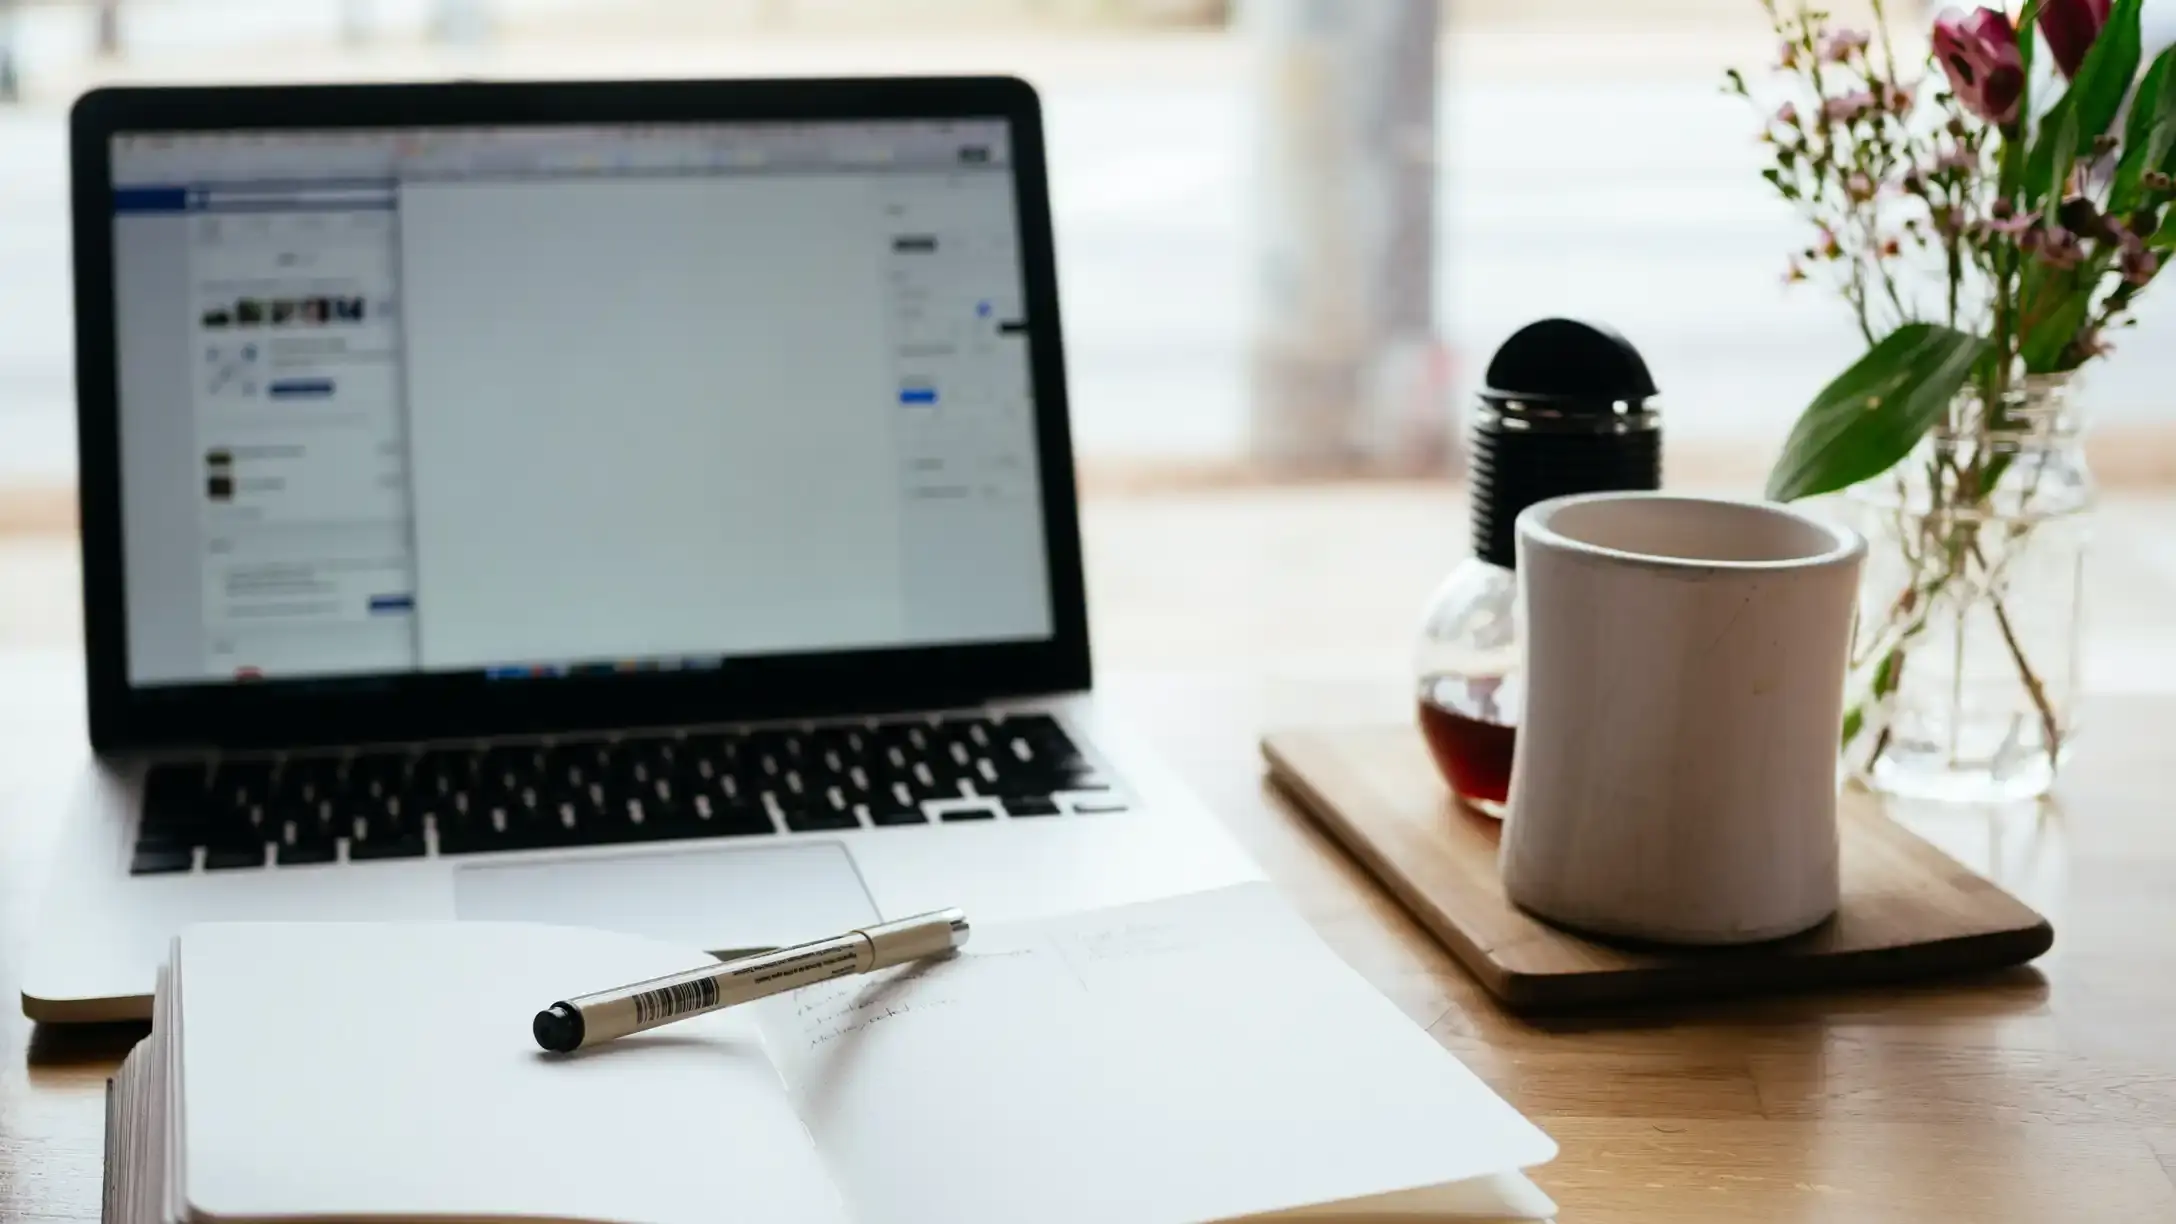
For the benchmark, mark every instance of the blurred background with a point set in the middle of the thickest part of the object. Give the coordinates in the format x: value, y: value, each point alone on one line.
x: 1290, y: 231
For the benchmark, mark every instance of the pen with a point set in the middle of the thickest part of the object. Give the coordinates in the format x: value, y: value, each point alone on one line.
x: 593, y: 1019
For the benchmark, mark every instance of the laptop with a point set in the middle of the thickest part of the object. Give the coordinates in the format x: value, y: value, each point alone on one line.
x: 646, y: 506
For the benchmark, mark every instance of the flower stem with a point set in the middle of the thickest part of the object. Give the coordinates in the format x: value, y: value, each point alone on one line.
x: 2051, y: 730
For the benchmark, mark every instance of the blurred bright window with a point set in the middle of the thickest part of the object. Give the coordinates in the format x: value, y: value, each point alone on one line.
x: 1587, y: 164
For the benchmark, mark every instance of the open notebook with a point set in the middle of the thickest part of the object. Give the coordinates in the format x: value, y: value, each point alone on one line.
x: 1198, y: 1058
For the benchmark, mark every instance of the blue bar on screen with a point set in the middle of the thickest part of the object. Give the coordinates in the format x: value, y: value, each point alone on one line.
x: 150, y: 199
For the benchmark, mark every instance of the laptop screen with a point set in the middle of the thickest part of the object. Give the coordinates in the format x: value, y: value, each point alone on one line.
x: 539, y: 401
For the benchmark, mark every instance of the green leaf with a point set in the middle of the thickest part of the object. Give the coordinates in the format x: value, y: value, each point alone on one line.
x: 2094, y: 97
x: 2044, y: 345
x: 2013, y: 159
x: 1891, y: 669
x: 2050, y: 184
x: 2164, y: 239
x: 2027, y: 29
x: 2104, y: 79
x: 2025, y: 20
x: 1876, y: 411
x: 2150, y: 134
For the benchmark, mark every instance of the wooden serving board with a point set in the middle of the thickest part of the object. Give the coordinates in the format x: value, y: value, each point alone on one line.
x: 1908, y: 911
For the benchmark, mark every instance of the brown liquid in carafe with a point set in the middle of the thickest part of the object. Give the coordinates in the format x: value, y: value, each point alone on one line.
x: 1472, y: 752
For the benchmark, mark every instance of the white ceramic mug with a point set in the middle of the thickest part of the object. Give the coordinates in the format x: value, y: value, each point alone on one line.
x: 1674, y: 777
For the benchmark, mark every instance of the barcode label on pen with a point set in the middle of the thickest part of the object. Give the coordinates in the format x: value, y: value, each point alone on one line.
x: 670, y: 1001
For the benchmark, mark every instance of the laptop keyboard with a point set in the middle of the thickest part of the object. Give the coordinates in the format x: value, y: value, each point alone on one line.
x: 389, y: 803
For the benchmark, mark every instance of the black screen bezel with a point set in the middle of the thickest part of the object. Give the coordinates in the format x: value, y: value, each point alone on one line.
x: 420, y: 706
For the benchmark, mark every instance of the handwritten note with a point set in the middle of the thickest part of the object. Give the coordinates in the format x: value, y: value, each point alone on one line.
x: 833, y: 1011
x: 1134, y: 941
x: 837, y: 1010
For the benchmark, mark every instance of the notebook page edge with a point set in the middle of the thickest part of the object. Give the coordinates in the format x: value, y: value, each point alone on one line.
x: 163, y: 1190
x: 1492, y: 1198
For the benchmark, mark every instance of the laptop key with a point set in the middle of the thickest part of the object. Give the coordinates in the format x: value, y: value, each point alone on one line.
x: 174, y: 792
x: 459, y: 834
x: 632, y: 820
x: 304, y: 782
x: 408, y: 846
x: 803, y: 811
x: 820, y: 820
x: 236, y: 855
x: 886, y: 811
x: 710, y: 817
x: 1080, y: 778
x: 237, y: 785
x: 1030, y: 805
x: 320, y: 822
x: 370, y: 838
x: 156, y: 859
x: 1007, y: 778
x: 1040, y: 730
x: 442, y: 771
x: 195, y: 831
x: 300, y: 853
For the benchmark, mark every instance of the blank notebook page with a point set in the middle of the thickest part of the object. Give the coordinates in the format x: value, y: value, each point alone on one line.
x: 348, y: 1070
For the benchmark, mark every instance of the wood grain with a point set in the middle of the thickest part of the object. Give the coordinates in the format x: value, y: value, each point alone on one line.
x: 1908, y: 910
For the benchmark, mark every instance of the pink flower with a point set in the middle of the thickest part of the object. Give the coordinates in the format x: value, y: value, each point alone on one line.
x: 1957, y: 157
x: 2139, y: 264
x: 1787, y: 54
x: 2070, y: 26
x: 1787, y: 115
x: 1979, y: 52
x: 2059, y: 248
x: 1859, y: 187
x: 1843, y: 44
x: 1846, y: 107
x: 2013, y: 226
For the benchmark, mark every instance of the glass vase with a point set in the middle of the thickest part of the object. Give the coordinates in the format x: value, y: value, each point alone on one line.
x: 1965, y: 665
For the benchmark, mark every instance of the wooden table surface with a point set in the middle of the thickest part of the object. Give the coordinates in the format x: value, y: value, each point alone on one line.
x: 2046, y: 1094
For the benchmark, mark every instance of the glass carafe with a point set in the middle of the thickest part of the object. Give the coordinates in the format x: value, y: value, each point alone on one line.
x: 1566, y: 410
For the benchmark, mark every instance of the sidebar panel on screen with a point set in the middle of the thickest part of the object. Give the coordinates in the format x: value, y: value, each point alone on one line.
x: 265, y: 516
x: 300, y: 433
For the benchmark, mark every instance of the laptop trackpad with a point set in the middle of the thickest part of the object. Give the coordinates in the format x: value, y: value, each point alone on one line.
x: 719, y: 900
